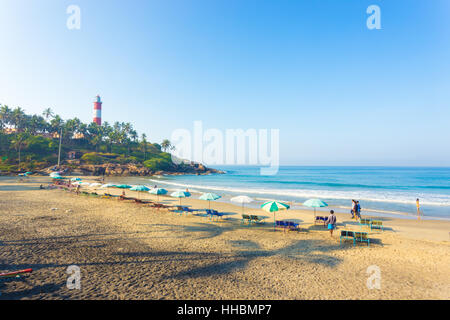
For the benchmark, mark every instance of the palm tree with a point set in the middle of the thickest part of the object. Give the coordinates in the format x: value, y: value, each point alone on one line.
x: 5, y: 115
x: 144, y: 145
x: 19, y: 142
x: 166, y: 145
x: 18, y: 118
x: 48, y: 113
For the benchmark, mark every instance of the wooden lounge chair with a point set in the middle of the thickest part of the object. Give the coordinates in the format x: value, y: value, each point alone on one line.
x: 256, y: 219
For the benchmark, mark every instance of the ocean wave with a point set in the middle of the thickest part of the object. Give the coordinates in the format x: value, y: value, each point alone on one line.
x: 399, y: 197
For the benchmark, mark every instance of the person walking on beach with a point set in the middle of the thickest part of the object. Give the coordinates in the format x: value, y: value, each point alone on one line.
x: 358, y: 210
x: 331, y: 222
x: 418, y: 208
x: 353, y: 211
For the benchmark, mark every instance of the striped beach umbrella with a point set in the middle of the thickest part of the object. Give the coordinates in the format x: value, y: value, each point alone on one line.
x: 180, y: 195
x: 158, y: 192
x: 242, y: 200
x: 209, y: 197
x: 274, y: 206
x: 315, y: 203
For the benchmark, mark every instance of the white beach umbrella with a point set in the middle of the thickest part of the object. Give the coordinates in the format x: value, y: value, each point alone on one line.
x: 95, y: 184
x: 242, y: 200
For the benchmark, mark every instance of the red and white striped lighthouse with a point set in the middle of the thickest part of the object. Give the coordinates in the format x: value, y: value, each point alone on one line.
x: 98, y: 111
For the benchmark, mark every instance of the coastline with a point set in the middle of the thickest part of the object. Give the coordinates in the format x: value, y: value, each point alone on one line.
x: 130, y: 251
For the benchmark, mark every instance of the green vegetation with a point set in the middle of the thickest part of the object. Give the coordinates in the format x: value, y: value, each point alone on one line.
x: 30, y: 142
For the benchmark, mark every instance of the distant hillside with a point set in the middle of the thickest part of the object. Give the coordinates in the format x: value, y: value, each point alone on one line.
x: 31, y: 143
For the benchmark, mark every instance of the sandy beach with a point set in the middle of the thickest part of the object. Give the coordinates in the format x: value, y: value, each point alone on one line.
x: 131, y: 251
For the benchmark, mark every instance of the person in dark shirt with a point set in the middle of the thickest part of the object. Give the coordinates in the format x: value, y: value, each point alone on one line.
x: 331, y: 222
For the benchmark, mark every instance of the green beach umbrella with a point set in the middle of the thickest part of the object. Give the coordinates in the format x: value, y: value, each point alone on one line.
x: 209, y: 197
x: 274, y: 206
x: 315, y: 203
x: 180, y: 194
x: 28, y: 172
x: 139, y: 189
x: 158, y: 191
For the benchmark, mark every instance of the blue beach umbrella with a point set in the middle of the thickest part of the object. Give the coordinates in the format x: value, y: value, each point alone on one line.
x: 209, y: 197
x: 122, y: 186
x: 158, y: 191
x: 315, y: 203
x: 180, y: 194
x: 274, y: 206
x: 75, y: 179
x: 139, y: 189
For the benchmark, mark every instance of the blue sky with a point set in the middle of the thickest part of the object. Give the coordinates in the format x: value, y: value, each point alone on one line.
x: 340, y: 94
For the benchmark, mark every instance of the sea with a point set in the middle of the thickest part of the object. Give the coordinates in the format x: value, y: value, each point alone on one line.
x: 381, y: 191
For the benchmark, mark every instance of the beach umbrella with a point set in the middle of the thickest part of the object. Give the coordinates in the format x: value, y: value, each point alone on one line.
x: 54, y: 174
x: 180, y: 194
x: 315, y: 203
x: 122, y: 186
x: 158, y: 191
x: 75, y: 179
x: 139, y: 189
x: 28, y: 172
x: 107, y: 186
x: 274, y: 206
x: 242, y: 200
x: 58, y: 177
x: 209, y: 197
x: 95, y: 184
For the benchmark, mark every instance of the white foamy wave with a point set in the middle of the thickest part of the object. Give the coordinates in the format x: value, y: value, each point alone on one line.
x: 399, y: 197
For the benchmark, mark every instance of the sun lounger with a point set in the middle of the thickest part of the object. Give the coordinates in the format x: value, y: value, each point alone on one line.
x: 246, y: 219
x: 159, y: 205
x: 365, y: 222
x: 320, y: 220
x: 287, y: 225
x: 376, y: 224
x: 354, y: 236
x: 213, y: 213
x: 256, y: 219
x: 126, y: 198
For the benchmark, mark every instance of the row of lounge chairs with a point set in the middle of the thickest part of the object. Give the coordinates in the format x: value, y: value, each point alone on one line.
x: 372, y: 224
x: 249, y: 219
x: 287, y: 225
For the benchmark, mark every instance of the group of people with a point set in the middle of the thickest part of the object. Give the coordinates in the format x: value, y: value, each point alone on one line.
x: 356, y: 210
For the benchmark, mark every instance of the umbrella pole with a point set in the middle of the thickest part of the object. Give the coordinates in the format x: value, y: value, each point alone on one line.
x: 274, y: 221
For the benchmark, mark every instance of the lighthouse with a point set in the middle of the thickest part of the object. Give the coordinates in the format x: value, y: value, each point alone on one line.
x: 98, y: 110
